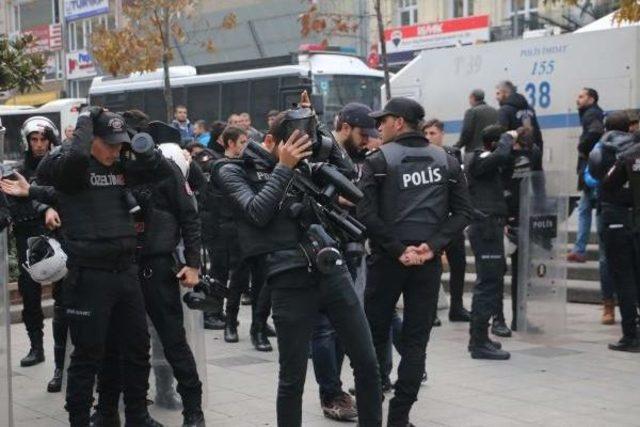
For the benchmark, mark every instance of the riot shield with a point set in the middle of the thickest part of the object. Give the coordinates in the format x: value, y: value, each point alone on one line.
x: 6, y: 405
x: 162, y: 383
x: 542, y: 245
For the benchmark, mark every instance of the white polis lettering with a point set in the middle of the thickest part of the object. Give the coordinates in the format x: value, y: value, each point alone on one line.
x: 417, y: 179
x: 106, y: 180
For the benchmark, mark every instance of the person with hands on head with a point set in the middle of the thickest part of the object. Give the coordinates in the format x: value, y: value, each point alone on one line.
x: 415, y: 201
x: 104, y: 301
x: 261, y: 187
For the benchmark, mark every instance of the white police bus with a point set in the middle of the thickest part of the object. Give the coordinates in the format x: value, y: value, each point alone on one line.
x: 333, y: 79
x: 548, y: 71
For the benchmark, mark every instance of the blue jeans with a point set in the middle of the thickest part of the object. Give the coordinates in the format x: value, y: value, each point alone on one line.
x: 327, y: 355
x: 585, y: 208
x: 606, y: 280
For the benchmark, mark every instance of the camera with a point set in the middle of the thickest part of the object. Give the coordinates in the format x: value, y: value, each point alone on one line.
x: 305, y: 120
x: 208, y: 296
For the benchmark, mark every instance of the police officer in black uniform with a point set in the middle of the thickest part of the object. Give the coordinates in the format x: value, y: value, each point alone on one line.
x: 620, y: 207
x: 168, y: 214
x: 28, y: 217
x: 260, y: 186
x: 104, y: 299
x: 415, y: 202
x: 526, y: 157
x: 484, y: 172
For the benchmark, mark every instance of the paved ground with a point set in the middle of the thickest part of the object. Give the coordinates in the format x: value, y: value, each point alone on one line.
x: 574, y: 381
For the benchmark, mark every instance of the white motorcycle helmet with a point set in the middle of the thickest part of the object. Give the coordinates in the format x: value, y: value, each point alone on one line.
x: 38, y: 124
x: 46, y: 261
x: 172, y: 151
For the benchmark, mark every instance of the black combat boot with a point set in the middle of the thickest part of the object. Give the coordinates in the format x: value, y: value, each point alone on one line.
x: 458, y: 313
x: 143, y: 421
x: 166, y: 396
x: 259, y: 338
x: 55, y: 385
x: 499, y: 327
x: 104, y: 419
x: 626, y: 343
x: 193, y: 419
x: 480, y: 346
x: 215, y: 322
x: 35, y: 356
x: 231, y: 331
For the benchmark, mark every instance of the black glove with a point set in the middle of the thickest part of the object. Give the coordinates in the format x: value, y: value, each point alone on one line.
x: 94, y: 112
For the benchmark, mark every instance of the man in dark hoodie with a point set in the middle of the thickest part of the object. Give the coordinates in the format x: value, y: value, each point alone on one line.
x: 515, y: 111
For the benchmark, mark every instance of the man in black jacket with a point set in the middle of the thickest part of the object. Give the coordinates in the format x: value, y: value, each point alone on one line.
x: 484, y: 172
x: 104, y: 299
x: 619, y: 209
x: 516, y: 112
x: 260, y: 184
x: 415, y: 202
x: 476, y: 118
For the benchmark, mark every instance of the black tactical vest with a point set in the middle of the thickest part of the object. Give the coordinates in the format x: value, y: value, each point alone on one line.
x: 414, y: 200
x: 99, y: 212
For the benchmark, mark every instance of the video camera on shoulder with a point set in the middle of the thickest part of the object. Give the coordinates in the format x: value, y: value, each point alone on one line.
x: 305, y: 120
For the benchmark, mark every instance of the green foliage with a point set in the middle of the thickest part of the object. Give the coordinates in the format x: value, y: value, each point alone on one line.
x: 20, y: 67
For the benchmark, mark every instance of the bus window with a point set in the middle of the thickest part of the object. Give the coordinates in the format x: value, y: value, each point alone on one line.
x: 135, y: 100
x: 338, y: 90
x: 235, y: 98
x: 264, y: 97
x: 154, y: 104
x: 202, y: 102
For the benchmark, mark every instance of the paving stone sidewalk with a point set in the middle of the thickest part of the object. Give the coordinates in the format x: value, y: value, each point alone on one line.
x: 574, y: 381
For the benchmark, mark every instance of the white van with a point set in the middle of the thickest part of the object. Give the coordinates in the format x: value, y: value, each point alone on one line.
x: 62, y: 112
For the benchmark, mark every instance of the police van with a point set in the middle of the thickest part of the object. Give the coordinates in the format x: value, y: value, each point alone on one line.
x: 548, y: 71
x: 62, y: 112
x: 213, y: 92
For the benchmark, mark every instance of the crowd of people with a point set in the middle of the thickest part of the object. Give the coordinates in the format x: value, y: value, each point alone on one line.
x: 126, y: 210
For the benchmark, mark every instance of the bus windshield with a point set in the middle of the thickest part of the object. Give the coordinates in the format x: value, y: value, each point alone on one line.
x: 339, y: 90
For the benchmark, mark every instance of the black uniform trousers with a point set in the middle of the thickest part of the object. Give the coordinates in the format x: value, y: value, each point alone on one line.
x: 457, y: 259
x: 59, y: 325
x: 486, y: 238
x: 105, y: 310
x: 30, y: 291
x: 622, y: 249
x: 228, y: 267
x: 161, y: 292
x: 387, y: 278
x: 295, y: 315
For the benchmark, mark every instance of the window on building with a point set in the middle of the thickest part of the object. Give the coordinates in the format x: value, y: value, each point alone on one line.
x: 407, y: 12
x: 523, y: 15
x: 460, y: 8
x: 79, y: 32
x: 33, y: 13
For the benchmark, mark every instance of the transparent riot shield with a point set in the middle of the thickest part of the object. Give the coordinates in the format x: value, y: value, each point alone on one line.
x: 162, y: 383
x: 6, y: 406
x: 542, y: 244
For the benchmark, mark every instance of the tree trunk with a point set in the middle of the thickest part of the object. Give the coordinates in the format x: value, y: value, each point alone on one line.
x: 383, y: 50
x: 166, y: 48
